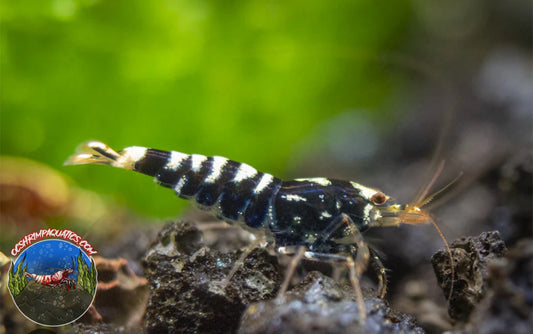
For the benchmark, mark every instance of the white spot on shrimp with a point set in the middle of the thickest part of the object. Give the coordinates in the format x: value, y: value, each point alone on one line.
x: 245, y: 171
x: 129, y: 156
x: 265, y: 181
x: 197, y: 160
x: 294, y: 198
x: 366, y: 212
x: 175, y: 160
x: 180, y: 184
x: 325, y: 215
x: 365, y: 192
x: 297, y: 219
x: 310, y: 238
x: 135, y: 153
x: 216, y: 169
x: 318, y: 180
x: 271, y: 220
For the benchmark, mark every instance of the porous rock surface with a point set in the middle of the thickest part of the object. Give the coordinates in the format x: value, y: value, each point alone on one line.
x: 319, y: 305
x: 471, y: 258
x: 188, y: 294
x: 186, y: 279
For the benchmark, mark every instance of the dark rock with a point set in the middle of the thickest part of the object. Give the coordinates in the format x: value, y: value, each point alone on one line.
x: 188, y: 295
x: 471, y: 258
x: 186, y: 281
x: 320, y: 305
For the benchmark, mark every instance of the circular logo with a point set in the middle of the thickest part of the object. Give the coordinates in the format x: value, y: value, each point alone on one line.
x: 53, y: 282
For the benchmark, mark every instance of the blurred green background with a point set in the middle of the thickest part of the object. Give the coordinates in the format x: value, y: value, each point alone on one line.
x: 242, y: 79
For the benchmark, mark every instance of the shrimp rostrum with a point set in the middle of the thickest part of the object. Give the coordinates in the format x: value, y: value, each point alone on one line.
x: 317, y: 219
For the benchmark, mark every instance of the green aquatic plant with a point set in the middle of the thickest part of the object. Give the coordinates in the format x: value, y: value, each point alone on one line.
x: 17, y: 279
x: 86, y: 276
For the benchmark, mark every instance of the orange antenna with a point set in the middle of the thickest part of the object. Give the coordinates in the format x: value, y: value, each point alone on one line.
x: 430, y: 198
x: 421, y: 200
x: 452, y: 269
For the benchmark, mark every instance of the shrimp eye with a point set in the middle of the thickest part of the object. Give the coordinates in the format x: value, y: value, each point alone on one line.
x: 378, y: 198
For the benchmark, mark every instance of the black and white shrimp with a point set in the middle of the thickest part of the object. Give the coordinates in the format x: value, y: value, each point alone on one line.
x: 316, y: 218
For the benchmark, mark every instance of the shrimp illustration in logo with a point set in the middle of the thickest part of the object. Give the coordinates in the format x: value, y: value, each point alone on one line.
x: 59, y: 278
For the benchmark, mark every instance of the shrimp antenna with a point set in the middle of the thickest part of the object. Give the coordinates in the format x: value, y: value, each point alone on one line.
x: 421, y: 200
x: 452, y: 269
x: 425, y: 201
x: 421, y: 197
